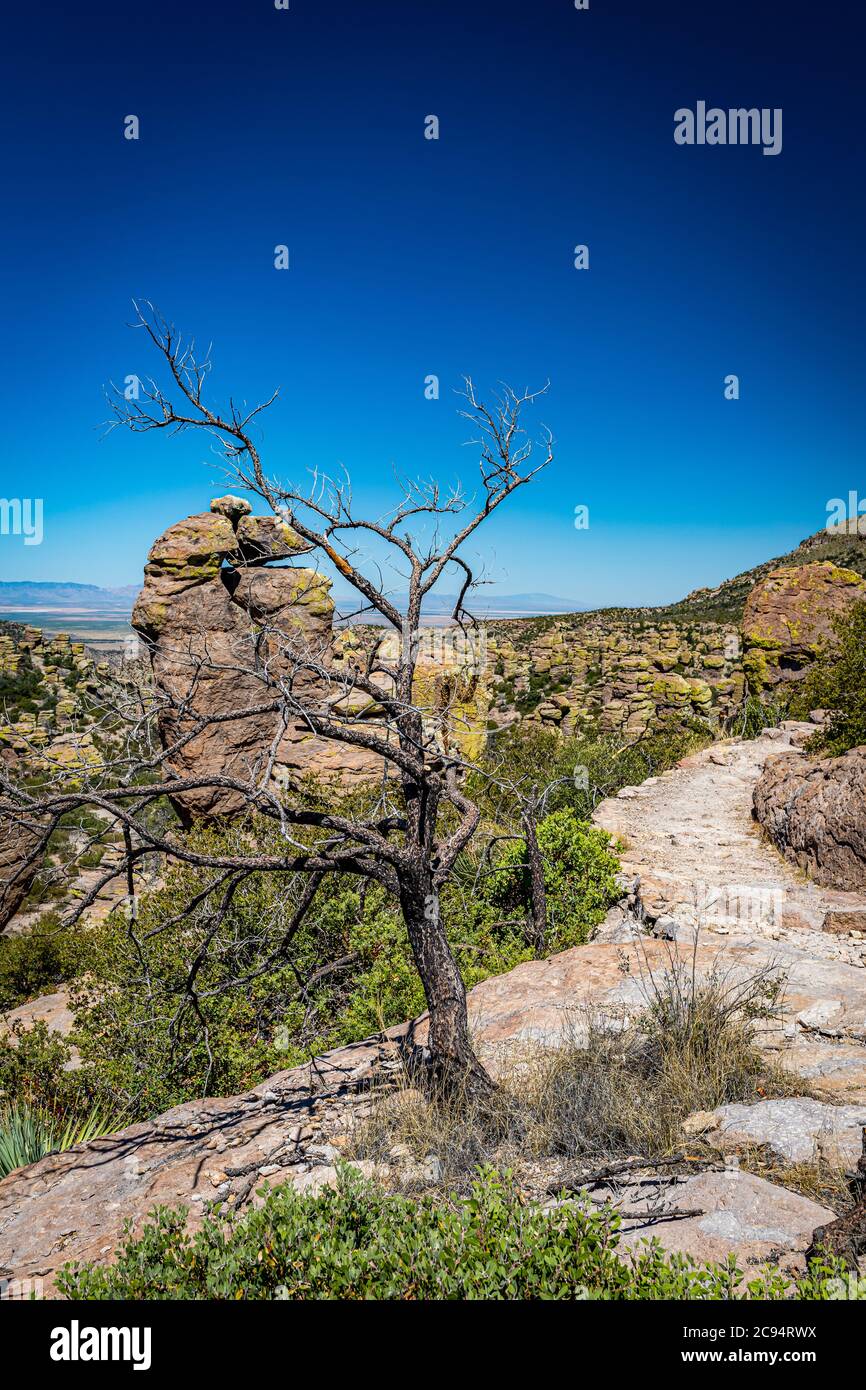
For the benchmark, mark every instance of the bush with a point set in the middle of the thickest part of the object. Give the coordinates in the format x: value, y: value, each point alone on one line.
x: 38, y: 960
x: 356, y: 1242
x: 837, y: 682
x: 34, y: 1068
x: 580, y: 772
x: 579, y: 877
x: 758, y: 713
x: 625, y: 1086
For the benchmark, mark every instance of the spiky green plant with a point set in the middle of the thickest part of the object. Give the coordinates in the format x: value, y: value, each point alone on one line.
x: 29, y: 1132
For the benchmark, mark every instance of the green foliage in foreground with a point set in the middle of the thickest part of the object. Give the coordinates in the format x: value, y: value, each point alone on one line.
x: 34, y: 1067
x: 29, y: 1132
x: 357, y: 1242
x: 579, y: 877
x: 837, y: 682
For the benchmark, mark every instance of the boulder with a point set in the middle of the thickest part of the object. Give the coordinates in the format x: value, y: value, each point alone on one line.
x: 796, y: 1130
x: 789, y: 615
x: 263, y: 538
x: 53, y: 1010
x: 189, y: 554
x: 742, y: 1215
x: 232, y: 507
x: 814, y: 811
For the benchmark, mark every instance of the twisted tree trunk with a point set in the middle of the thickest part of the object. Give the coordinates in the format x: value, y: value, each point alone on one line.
x: 453, y: 1064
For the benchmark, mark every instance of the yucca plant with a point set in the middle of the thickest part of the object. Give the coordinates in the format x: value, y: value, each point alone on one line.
x: 29, y: 1132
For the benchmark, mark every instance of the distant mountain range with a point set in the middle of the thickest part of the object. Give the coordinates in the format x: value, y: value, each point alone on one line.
x: 21, y: 594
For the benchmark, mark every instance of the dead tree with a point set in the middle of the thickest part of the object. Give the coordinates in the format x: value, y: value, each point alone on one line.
x: 423, y: 819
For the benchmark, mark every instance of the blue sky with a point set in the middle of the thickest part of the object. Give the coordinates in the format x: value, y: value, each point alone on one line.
x: 411, y: 257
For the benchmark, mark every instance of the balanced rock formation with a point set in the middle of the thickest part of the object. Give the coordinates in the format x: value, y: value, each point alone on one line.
x: 789, y: 616
x: 814, y: 811
x: 223, y: 631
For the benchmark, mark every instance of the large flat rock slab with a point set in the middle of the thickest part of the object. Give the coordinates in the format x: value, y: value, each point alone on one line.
x: 740, y: 1214
x: 795, y: 1129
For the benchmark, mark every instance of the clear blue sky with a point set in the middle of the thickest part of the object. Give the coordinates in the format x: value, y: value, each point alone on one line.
x: 412, y: 257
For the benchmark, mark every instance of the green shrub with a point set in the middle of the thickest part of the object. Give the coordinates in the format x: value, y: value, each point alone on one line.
x: 349, y: 973
x: 579, y: 877
x: 37, y: 960
x: 20, y: 691
x: 757, y: 714
x: 34, y: 1067
x: 356, y: 1242
x: 579, y: 772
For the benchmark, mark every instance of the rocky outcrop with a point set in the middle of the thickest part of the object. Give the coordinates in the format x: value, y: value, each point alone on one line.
x: 630, y: 673
x: 789, y: 616
x: 795, y: 1130
x: 18, y: 841
x: 52, y: 1010
x: 814, y: 811
x: 223, y: 632
x: 626, y: 676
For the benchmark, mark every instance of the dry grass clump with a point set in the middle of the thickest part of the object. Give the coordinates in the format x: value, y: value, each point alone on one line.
x: 617, y: 1085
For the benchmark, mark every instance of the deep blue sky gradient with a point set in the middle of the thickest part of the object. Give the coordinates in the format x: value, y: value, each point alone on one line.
x: 412, y: 257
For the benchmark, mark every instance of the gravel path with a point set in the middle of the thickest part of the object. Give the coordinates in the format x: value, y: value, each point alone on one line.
x: 701, y: 859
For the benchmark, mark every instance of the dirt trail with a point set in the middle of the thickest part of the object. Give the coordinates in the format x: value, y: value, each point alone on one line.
x: 701, y: 859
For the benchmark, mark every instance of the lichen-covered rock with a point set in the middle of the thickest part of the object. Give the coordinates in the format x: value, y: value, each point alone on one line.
x: 189, y: 554
x: 222, y: 630
x: 262, y: 538
x: 225, y: 631
x: 796, y: 1129
x: 232, y: 507
x: 624, y: 675
x: 789, y: 615
x: 814, y: 811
